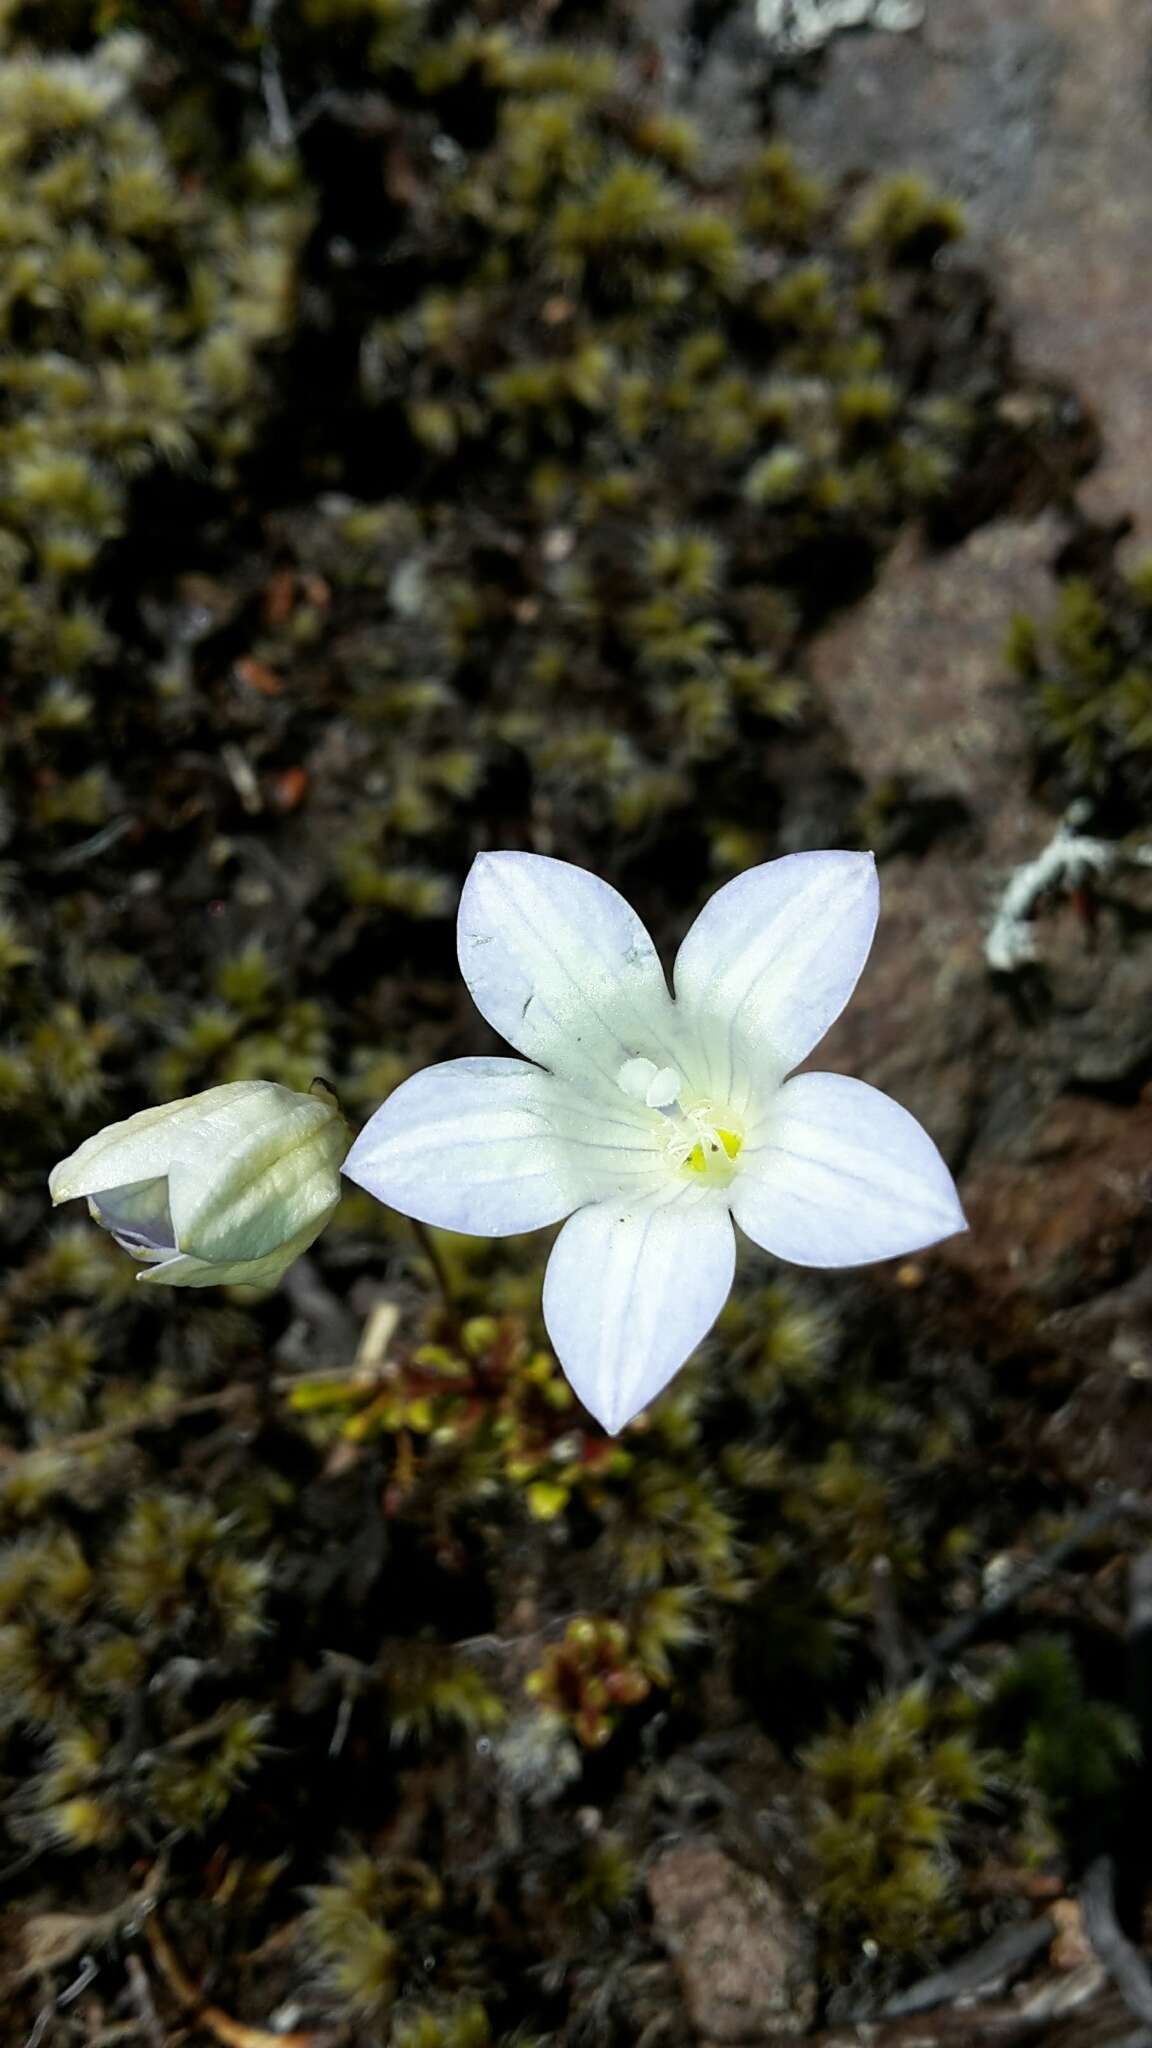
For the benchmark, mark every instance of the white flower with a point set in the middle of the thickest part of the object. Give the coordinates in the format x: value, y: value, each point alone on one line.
x: 652, y: 1122
x: 218, y: 1188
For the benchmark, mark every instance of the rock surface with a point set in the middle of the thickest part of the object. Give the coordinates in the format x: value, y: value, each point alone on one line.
x: 1037, y: 114
x: 914, y: 679
x: 1054, y: 1181
x: 740, y: 1953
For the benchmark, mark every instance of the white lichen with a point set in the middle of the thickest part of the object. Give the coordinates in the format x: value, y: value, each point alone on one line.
x: 796, y: 27
x: 1066, y: 863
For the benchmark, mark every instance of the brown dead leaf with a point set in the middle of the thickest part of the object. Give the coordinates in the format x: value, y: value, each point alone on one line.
x: 289, y: 788
x: 279, y: 596
x: 51, y: 1940
x: 256, y: 675
x: 1071, y: 1948
x: 229, y: 2032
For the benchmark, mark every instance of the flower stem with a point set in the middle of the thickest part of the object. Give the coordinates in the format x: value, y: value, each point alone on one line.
x: 435, y: 1258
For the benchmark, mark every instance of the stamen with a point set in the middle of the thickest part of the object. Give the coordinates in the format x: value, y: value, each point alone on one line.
x: 656, y: 1087
x: 696, y: 1140
x: 703, y: 1146
x: 664, y: 1089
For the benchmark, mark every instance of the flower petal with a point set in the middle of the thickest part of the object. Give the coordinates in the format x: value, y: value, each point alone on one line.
x: 562, y: 967
x: 772, y: 959
x: 494, y: 1146
x: 841, y: 1176
x: 137, y: 1216
x: 629, y: 1293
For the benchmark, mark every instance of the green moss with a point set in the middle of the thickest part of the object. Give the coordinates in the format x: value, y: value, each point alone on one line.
x: 121, y: 291
x: 780, y: 199
x: 467, y: 2026
x: 49, y: 1377
x: 170, y: 1564
x: 1074, y: 1751
x: 190, y: 1790
x: 1087, y: 676
x: 890, y: 1794
x: 431, y: 1694
x: 498, y: 510
x: 905, y: 219
x: 356, y: 1956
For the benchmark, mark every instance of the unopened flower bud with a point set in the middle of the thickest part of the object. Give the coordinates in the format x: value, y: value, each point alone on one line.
x: 224, y: 1187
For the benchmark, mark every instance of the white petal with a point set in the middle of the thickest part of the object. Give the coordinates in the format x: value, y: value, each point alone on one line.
x: 137, y: 1216
x: 562, y: 967
x: 772, y: 959
x: 495, y: 1146
x: 628, y: 1294
x: 841, y: 1176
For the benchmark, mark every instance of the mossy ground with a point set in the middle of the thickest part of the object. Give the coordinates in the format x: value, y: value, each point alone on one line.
x: 472, y: 469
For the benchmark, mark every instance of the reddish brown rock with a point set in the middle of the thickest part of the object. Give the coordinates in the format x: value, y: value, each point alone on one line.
x: 1055, y: 1183
x: 741, y: 1954
x: 915, y: 681
x: 1057, y: 1221
x: 915, y: 676
x: 919, y: 1024
x: 1036, y: 113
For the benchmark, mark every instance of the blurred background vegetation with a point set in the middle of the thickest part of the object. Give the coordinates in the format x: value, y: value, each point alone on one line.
x: 417, y: 435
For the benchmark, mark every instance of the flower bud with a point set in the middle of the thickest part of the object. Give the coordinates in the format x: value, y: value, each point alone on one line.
x: 224, y: 1187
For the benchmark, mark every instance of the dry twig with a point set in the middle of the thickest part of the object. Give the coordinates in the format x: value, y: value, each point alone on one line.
x: 1117, y: 1507
x: 1121, y: 1958
x: 229, y: 2032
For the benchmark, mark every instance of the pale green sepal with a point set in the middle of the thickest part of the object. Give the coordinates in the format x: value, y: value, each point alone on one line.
x: 222, y: 1188
x: 140, y: 1148
x: 275, y: 1171
x: 184, y: 1271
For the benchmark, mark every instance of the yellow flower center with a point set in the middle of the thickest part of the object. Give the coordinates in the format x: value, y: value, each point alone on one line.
x: 701, y: 1142
x: 711, y: 1151
x: 702, y: 1138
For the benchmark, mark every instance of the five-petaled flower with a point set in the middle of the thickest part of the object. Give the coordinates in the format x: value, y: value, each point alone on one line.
x: 651, y: 1121
x: 223, y: 1187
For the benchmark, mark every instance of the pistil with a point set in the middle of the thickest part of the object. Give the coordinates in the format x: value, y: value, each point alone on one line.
x: 701, y: 1137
